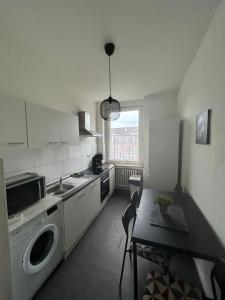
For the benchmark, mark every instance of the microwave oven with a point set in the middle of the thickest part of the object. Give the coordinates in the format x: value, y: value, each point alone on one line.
x: 22, y: 191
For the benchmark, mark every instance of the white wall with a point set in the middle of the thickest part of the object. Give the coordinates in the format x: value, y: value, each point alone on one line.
x: 203, y: 172
x: 52, y: 162
x: 153, y: 107
x: 204, y: 87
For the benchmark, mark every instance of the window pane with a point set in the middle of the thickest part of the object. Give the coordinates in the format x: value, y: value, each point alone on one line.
x: 124, y: 137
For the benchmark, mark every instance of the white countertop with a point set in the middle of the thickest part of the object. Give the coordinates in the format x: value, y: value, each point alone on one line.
x: 77, y: 182
x: 32, y: 211
x: 42, y: 205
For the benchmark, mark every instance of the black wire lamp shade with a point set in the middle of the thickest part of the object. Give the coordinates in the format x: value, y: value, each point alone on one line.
x: 110, y: 108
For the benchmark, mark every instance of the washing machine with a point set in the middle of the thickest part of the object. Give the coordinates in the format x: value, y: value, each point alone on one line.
x: 36, y: 248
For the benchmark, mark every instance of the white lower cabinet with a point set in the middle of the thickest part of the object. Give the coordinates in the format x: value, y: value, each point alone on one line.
x: 93, y: 201
x: 112, y: 180
x: 79, y: 211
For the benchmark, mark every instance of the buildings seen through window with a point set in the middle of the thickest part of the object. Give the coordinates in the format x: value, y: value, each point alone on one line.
x: 124, y: 137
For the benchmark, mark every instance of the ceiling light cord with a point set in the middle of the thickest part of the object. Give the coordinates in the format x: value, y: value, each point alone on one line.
x: 110, y: 108
x: 110, y: 78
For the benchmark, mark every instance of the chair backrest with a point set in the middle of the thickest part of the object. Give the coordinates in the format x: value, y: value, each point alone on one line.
x: 128, y: 216
x: 135, y: 198
x: 218, y: 279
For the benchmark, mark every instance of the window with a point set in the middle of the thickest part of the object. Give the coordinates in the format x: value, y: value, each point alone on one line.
x: 123, y: 139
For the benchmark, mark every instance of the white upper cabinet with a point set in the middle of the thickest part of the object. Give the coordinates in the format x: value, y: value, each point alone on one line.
x: 40, y: 126
x: 69, y: 131
x: 12, y: 123
x: 48, y: 127
x: 43, y: 126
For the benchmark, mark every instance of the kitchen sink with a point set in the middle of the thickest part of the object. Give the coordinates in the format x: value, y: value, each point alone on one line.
x: 59, y: 189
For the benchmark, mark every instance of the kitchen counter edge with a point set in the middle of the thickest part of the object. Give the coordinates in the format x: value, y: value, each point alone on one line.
x: 82, y: 186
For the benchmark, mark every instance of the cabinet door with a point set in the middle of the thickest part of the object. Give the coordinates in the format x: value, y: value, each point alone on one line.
x: 163, y: 153
x: 69, y: 130
x: 79, y: 212
x: 12, y: 123
x: 112, y: 180
x: 93, y: 201
x: 43, y: 126
x: 74, y: 218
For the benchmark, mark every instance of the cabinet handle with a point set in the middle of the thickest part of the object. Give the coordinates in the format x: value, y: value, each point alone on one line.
x: 53, y: 143
x: 16, y: 143
x: 80, y: 195
x: 39, y: 189
x: 105, y: 180
x: 63, y: 142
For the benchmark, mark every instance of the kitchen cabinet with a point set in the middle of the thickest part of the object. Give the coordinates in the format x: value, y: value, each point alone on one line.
x: 79, y: 211
x: 163, y: 153
x: 93, y: 200
x: 47, y: 127
x: 112, y: 180
x: 69, y: 129
x: 74, y: 219
x: 43, y: 126
x: 12, y: 123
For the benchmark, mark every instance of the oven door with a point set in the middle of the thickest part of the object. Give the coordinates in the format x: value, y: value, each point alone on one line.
x: 104, y: 186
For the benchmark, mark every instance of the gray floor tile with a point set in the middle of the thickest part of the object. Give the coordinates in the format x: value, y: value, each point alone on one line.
x: 92, y: 270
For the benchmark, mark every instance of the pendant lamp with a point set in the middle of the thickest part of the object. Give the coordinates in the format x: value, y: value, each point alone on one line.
x: 110, y: 108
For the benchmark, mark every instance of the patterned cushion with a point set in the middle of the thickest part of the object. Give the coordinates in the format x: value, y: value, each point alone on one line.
x: 165, y: 287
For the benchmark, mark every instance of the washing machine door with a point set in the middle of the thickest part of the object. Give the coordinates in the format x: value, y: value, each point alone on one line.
x: 40, y: 249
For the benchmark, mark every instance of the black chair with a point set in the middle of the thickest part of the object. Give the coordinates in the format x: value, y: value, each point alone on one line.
x: 153, y: 254
x: 135, y: 198
x: 164, y: 286
x: 128, y: 216
x: 135, y: 184
x: 218, y: 279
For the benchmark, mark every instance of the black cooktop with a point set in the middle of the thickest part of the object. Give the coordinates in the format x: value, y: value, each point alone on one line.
x: 95, y: 171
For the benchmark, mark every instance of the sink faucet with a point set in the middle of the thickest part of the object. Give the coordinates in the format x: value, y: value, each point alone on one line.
x: 60, y: 180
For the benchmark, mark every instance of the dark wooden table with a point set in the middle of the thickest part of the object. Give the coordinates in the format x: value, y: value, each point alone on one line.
x: 201, y: 241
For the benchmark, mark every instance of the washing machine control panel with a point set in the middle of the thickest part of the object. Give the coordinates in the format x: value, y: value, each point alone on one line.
x: 23, y: 232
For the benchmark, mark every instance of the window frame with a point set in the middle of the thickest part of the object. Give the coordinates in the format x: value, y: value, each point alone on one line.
x: 140, y: 131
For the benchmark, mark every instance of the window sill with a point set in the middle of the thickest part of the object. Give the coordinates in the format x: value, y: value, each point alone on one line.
x: 127, y: 165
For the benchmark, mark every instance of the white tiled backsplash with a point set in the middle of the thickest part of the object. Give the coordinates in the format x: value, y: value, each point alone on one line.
x: 52, y: 161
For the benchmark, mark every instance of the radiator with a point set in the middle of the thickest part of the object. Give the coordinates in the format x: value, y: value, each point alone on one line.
x: 123, y: 174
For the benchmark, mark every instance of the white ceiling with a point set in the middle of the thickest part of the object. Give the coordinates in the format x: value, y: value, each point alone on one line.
x: 48, y: 45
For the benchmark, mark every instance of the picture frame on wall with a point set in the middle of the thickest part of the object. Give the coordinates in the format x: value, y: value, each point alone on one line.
x: 203, y: 128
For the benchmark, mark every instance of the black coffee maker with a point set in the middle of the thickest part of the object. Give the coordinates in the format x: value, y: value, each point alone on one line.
x: 97, y: 160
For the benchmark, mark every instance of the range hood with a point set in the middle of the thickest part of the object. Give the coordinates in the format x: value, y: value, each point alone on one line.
x: 85, y: 125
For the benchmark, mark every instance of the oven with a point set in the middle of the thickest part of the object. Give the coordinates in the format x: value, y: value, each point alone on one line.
x: 105, y: 186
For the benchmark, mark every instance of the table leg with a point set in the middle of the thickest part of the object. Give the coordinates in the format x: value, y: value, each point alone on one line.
x: 135, y: 271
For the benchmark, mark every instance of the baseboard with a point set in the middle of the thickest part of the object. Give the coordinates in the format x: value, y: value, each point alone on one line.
x: 126, y: 188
